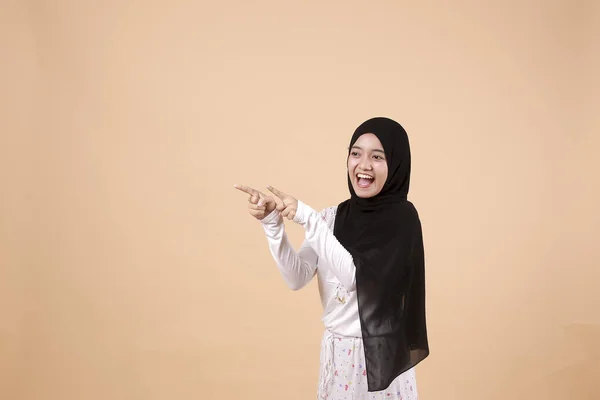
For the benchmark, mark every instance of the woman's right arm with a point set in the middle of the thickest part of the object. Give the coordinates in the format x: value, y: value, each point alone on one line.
x: 297, y: 269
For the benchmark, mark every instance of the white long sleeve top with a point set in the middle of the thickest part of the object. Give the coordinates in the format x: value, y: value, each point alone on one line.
x: 320, y: 254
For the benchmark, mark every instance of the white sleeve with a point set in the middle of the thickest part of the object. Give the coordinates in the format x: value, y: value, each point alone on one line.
x: 326, y: 245
x: 297, y: 269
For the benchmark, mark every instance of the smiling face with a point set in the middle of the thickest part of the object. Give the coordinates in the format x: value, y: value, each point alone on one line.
x: 367, y: 166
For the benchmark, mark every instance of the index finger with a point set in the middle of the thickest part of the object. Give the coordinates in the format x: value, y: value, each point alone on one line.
x: 246, y: 189
x: 276, y: 192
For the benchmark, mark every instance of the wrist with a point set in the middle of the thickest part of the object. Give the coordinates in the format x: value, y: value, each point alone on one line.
x: 273, y: 218
x: 301, y: 213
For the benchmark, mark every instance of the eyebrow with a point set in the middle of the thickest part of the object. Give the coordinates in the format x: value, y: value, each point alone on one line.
x: 360, y: 148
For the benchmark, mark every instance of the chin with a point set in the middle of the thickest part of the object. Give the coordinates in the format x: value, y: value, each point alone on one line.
x: 365, y: 194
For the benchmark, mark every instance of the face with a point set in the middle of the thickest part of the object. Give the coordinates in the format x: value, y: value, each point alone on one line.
x: 367, y: 166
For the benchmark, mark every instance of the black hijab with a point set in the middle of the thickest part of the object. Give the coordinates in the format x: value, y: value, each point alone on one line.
x: 383, y: 234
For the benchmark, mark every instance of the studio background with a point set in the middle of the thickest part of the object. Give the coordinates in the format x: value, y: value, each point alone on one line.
x: 130, y: 268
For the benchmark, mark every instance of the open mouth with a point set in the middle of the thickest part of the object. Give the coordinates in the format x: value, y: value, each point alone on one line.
x: 364, y: 181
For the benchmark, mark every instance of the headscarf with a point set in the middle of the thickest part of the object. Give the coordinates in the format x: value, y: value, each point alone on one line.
x: 383, y: 234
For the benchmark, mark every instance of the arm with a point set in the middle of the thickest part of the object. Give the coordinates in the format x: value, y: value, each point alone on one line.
x: 297, y: 269
x: 326, y: 245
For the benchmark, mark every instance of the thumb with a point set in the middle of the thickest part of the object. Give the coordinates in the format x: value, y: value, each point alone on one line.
x: 266, y: 200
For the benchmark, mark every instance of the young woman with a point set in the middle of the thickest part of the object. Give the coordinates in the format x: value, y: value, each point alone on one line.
x: 367, y: 254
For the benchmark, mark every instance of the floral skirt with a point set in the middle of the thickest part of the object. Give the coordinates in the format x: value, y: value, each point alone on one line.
x: 343, y: 375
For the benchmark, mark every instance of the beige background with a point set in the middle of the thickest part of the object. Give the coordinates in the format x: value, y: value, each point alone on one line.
x: 131, y: 270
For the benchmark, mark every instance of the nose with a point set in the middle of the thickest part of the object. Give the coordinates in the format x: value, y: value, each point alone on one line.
x: 365, y: 164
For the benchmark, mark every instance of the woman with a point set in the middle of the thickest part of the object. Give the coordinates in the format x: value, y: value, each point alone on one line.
x: 368, y: 256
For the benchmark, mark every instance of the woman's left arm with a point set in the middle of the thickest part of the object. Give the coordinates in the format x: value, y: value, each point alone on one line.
x: 326, y: 245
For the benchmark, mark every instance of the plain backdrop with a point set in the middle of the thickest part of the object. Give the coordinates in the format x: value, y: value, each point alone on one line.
x: 130, y: 268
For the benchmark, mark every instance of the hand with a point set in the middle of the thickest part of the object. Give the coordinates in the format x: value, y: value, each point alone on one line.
x: 290, y: 204
x: 259, y: 204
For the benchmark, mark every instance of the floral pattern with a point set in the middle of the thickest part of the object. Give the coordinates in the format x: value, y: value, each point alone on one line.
x: 349, y: 378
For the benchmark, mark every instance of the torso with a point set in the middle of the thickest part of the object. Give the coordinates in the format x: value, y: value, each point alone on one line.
x: 341, y: 319
x: 340, y: 307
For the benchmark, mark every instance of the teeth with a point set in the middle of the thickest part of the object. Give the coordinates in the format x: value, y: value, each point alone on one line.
x: 364, y: 176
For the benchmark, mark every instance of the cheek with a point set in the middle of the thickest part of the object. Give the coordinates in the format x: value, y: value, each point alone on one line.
x: 351, y: 165
x: 382, y: 175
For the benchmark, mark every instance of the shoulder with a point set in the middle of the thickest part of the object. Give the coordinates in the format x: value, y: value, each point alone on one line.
x: 409, y: 215
x: 409, y: 210
x: 328, y: 214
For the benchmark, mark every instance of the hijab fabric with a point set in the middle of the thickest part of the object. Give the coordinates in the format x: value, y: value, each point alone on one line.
x: 383, y: 235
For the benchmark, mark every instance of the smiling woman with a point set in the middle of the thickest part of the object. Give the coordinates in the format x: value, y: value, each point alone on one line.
x: 367, y: 254
x: 367, y: 166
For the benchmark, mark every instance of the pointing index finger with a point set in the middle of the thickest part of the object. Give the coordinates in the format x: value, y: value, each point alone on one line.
x: 245, y: 189
x: 276, y: 192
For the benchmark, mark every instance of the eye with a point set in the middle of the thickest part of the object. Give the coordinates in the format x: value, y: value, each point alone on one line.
x: 378, y: 157
x: 354, y: 153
